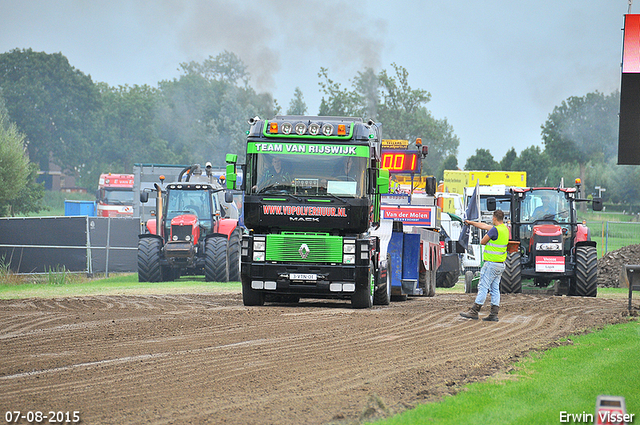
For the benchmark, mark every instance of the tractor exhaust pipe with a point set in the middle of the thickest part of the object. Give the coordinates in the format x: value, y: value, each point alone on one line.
x: 158, y: 210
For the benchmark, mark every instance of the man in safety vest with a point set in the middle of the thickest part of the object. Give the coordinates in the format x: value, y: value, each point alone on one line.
x: 495, y: 253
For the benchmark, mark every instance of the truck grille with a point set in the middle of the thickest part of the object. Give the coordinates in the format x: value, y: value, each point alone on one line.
x: 304, y: 248
x: 181, y: 232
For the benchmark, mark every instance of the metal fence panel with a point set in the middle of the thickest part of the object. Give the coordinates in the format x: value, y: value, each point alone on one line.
x: 114, y: 244
x: 613, y: 235
x: 77, y: 244
x: 40, y: 244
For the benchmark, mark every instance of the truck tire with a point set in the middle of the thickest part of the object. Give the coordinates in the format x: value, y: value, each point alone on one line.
x: 149, y: 256
x: 234, y: 255
x: 432, y: 282
x: 251, y: 297
x: 383, y: 291
x: 468, y: 279
x: 363, y: 297
x: 586, y: 281
x: 426, y: 281
x: 511, y: 281
x: 216, y: 260
x: 446, y: 279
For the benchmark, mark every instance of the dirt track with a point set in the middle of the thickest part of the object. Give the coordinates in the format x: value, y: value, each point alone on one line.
x: 208, y: 359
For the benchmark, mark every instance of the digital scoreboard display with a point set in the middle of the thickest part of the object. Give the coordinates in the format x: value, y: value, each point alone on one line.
x: 401, y: 161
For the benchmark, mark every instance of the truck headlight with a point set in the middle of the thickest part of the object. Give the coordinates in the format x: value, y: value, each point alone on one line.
x: 349, y: 258
x: 258, y: 256
x: 259, y: 245
x: 349, y: 246
x: 549, y: 246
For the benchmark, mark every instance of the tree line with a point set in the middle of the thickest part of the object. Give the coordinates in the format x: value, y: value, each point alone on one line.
x: 53, y: 113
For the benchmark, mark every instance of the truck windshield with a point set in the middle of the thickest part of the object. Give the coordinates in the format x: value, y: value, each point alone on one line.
x: 545, y: 205
x: 118, y: 197
x: 306, y: 175
x: 502, y: 203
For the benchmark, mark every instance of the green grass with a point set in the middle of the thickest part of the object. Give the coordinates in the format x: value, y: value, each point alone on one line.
x: 567, y: 378
x: 54, y: 202
x: 75, y: 286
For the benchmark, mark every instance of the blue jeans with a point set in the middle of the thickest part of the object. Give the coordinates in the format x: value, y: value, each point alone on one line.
x: 490, y: 275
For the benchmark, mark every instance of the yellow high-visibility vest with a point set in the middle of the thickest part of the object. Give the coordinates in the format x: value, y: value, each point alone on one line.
x: 496, y: 251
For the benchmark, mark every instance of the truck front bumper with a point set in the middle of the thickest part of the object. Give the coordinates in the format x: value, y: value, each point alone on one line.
x: 315, y: 281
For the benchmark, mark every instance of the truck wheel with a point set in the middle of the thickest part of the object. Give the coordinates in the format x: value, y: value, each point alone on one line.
x: 432, y: 282
x: 428, y: 285
x: 586, y: 271
x: 251, y: 297
x: 149, y: 255
x: 383, y: 291
x: 216, y: 260
x: 511, y: 281
x: 234, y: 255
x: 468, y: 282
x: 363, y: 297
x: 446, y: 279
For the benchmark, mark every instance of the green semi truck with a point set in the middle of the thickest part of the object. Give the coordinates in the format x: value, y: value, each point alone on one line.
x: 312, y: 189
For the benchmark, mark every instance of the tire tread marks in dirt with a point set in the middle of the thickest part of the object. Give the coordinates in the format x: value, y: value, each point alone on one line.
x: 586, y: 271
x: 227, y: 360
x: 149, y: 252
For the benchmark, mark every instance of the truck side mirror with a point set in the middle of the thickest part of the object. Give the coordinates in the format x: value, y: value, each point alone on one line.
x: 383, y: 181
x: 596, y: 204
x: 144, y: 197
x: 231, y: 175
x: 431, y: 186
x: 228, y: 197
x: 491, y: 204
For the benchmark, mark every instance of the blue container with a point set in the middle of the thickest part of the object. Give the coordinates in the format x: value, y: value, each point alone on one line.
x: 74, y: 208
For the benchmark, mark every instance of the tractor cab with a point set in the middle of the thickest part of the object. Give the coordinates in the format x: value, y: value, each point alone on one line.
x: 545, y: 217
x: 190, y: 206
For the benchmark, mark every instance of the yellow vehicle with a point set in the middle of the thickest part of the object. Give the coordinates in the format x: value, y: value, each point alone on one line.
x: 455, y: 181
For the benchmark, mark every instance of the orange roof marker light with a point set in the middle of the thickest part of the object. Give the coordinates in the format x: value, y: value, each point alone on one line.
x: 342, y: 130
x: 273, y: 127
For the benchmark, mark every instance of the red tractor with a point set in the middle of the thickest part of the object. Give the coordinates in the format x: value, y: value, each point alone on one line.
x: 195, y: 231
x: 547, y: 243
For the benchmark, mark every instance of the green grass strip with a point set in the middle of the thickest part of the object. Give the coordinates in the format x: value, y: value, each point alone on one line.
x: 115, y: 285
x: 564, y: 379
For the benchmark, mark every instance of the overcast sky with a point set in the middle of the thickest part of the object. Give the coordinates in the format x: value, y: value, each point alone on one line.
x: 495, y: 68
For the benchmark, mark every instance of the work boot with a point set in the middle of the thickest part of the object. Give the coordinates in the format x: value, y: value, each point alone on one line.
x: 473, y: 312
x: 493, y: 316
